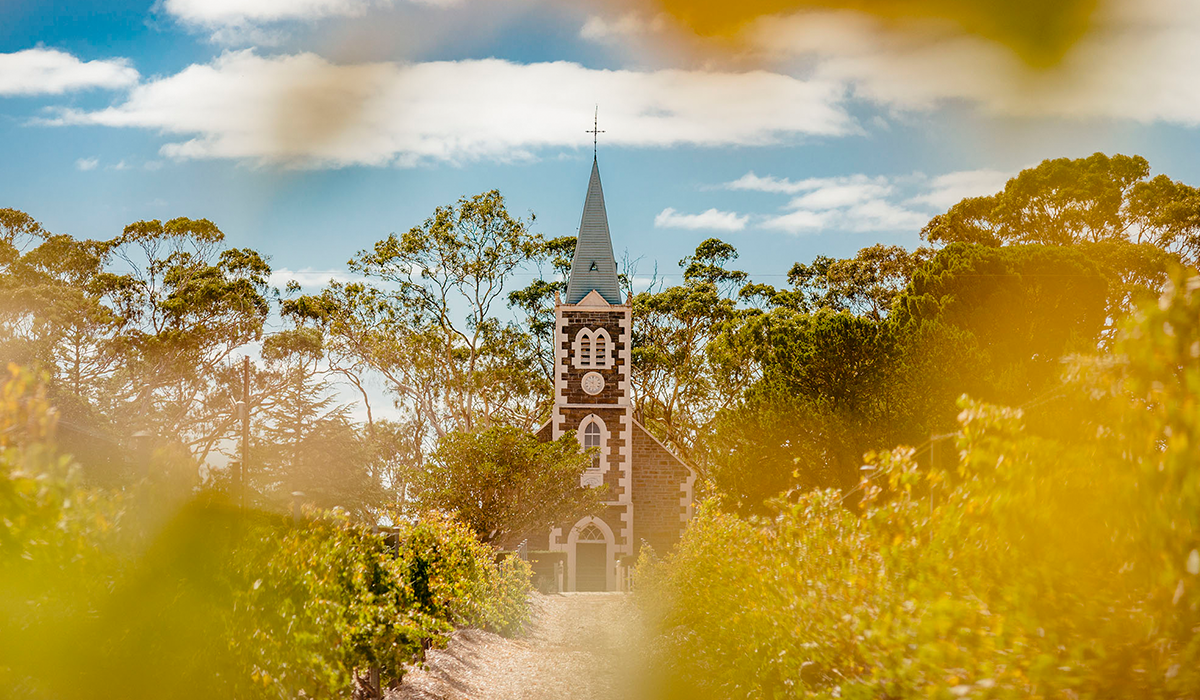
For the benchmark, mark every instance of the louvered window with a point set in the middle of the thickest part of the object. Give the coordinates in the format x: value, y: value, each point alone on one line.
x: 585, y: 351
x: 593, y: 349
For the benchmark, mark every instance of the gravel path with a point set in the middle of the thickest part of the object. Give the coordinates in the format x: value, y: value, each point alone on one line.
x: 579, y: 646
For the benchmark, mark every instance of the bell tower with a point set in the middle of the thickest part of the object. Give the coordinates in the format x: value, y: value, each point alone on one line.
x: 592, y: 362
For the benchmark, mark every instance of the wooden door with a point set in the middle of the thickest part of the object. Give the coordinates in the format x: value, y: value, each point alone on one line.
x: 591, y: 566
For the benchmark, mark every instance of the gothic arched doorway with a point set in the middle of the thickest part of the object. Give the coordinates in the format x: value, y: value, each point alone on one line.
x: 592, y: 558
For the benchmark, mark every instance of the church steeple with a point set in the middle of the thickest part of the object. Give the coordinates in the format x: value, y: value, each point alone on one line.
x: 593, y: 267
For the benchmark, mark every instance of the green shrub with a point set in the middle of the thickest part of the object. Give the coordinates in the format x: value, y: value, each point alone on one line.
x: 214, y: 602
x: 1059, y: 556
x: 456, y: 577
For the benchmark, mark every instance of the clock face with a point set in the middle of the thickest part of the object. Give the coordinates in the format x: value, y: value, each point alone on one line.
x: 593, y: 383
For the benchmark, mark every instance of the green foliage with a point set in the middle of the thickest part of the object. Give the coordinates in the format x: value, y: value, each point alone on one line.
x: 437, y: 339
x: 102, y: 598
x: 1065, y: 202
x: 536, y: 301
x: 455, y: 577
x: 707, y: 264
x: 994, y: 323
x: 675, y: 391
x: 867, y: 284
x: 826, y: 386
x: 1057, y: 556
x: 135, y: 331
x: 822, y: 399
x: 307, y: 442
x: 504, y: 482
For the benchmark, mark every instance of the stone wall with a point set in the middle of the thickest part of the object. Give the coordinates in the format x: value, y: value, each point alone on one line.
x: 659, y: 483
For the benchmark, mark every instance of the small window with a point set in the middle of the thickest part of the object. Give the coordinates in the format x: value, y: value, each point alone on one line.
x: 585, y: 351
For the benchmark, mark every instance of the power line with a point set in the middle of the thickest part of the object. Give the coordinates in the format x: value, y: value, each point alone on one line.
x: 333, y: 273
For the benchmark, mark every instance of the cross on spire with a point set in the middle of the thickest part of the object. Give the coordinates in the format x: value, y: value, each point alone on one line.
x: 595, y: 131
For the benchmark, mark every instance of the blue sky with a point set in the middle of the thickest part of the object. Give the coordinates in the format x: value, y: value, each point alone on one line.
x: 310, y: 128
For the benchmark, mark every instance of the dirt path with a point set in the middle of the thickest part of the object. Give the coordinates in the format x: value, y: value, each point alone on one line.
x: 579, y: 646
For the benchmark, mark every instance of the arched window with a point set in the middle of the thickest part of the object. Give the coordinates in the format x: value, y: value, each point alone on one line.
x: 593, y: 349
x: 591, y: 533
x: 591, y: 439
x: 585, y: 349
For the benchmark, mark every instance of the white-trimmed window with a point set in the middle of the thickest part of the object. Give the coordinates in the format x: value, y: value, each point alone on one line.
x: 593, y: 349
x: 591, y: 437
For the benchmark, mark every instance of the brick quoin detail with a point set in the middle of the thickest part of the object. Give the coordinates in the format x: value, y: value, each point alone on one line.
x: 575, y: 321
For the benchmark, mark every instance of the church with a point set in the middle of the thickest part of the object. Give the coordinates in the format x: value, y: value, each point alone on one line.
x: 650, y: 490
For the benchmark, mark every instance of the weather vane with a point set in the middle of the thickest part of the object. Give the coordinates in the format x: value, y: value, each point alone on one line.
x: 595, y: 132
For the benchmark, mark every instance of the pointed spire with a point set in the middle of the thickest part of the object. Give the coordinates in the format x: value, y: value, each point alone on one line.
x: 594, y: 266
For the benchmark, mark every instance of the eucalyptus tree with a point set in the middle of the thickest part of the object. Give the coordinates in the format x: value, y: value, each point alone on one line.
x: 1084, y: 200
x: 867, y: 284
x: 675, y: 392
x: 137, y: 331
x: 536, y: 300
x: 1133, y: 226
x: 59, y: 305
x: 427, y: 320
x: 192, y: 304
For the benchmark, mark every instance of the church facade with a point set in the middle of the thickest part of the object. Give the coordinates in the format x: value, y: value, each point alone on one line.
x: 650, y: 490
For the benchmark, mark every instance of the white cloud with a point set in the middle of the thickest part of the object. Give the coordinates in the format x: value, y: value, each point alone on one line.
x: 309, y: 278
x: 304, y: 111
x: 799, y: 221
x: 853, y: 204
x: 770, y: 183
x: 711, y: 219
x: 947, y: 190
x: 869, y: 216
x: 87, y: 163
x: 52, y: 72
x: 631, y: 24
x: 247, y: 35
x: 258, y: 22
x: 832, y: 193
x: 819, y: 192
x: 1134, y: 63
x: 212, y: 13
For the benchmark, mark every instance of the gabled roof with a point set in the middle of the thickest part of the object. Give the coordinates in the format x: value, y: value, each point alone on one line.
x: 594, y: 267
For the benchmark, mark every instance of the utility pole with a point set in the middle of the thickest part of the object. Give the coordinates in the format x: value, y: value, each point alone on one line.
x: 245, y: 432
